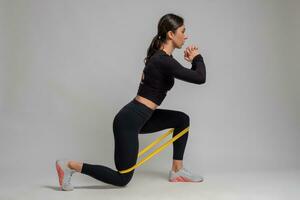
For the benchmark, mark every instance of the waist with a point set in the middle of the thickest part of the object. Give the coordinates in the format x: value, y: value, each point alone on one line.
x: 139, y: 108
x: 150, y: 104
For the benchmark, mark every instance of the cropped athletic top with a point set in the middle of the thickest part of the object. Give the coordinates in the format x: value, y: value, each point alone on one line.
x: 160, y: 71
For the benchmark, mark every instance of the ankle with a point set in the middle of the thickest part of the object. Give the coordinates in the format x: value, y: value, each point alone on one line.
x: 176, y: 169
x: 177, y: 165
x: 70, y: 164
x: 75, y: 165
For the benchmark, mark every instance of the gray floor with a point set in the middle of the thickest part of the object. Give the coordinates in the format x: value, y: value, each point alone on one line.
x: 152, y: 184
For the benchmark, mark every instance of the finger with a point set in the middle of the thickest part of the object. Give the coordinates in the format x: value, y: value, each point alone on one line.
x: 186, y: 56
x: 189, y: 51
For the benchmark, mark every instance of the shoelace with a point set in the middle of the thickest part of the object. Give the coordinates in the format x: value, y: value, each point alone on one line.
x: 187, y: 171
x: 68, y: 178
x: 191, y: 174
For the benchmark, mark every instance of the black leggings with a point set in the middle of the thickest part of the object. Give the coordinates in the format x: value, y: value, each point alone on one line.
x: 133, y: 119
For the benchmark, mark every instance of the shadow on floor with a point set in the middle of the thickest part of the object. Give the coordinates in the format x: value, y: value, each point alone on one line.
x: 157, y: 174
x: 96, y: 187
x: 150, y: 173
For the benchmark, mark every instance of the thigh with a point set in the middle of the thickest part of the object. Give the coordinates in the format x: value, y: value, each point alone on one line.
x: 163, y: 119
x: 126, y: 126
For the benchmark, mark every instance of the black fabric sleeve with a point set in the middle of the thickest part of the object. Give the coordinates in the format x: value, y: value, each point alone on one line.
x: 197, y: 73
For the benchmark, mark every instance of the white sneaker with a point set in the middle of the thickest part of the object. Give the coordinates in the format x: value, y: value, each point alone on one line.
x: 64, y: 174
x: 184, y: 175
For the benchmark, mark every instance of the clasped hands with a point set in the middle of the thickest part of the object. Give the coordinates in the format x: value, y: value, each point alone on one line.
x: 190, y: 52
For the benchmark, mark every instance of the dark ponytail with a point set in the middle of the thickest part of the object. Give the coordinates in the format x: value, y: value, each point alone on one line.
x: 168, y: 22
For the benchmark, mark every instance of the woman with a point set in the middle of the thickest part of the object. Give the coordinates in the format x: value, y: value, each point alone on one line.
x: 141, y: 115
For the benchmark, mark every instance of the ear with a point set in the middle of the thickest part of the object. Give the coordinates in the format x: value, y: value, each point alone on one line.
x: 170, y: 34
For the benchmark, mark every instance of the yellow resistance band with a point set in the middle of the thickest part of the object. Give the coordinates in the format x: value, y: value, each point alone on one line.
x: 158, y: 149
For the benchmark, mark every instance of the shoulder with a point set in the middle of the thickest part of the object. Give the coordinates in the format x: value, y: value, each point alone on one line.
x: 159, y: 57
x: 164, y: 62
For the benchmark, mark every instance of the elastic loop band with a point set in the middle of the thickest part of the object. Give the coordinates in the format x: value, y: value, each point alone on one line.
x: 158, y: 149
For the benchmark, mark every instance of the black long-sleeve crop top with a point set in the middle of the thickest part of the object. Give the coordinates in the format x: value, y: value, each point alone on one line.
x: 160, y: 71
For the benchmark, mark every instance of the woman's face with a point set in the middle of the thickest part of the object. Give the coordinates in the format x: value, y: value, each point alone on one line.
x: 179, y: 37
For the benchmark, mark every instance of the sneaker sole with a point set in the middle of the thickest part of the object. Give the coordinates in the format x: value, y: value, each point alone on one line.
x: 60, y: 173
x: 183, y: 179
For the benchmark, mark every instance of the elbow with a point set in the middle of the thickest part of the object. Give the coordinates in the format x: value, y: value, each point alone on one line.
x: 204, y: 81
x: 201, y: 80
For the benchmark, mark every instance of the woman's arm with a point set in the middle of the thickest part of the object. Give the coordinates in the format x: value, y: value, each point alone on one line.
x: 197, y: 73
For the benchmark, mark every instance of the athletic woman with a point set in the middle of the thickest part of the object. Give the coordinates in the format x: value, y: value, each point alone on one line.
x: 141, y: 115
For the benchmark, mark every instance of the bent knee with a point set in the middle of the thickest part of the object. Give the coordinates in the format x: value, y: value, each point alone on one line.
x: 184, y: 119
x: 125, y: 179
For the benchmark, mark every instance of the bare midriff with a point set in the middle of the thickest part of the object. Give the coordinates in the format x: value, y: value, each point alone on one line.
x: 146, y: 102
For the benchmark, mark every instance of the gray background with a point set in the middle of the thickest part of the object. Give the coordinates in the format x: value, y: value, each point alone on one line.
x: 67, y: 67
